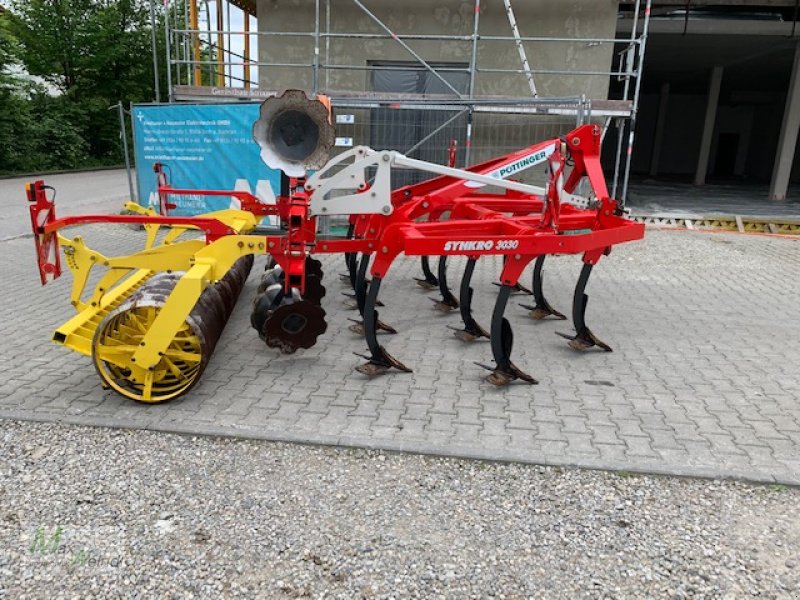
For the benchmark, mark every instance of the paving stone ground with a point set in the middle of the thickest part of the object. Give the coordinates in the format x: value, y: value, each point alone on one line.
x: 704, y: 378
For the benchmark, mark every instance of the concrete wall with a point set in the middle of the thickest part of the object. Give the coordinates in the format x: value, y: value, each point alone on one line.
x: 565, y: 18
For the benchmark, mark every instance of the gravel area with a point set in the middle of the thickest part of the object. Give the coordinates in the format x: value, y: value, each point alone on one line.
x: 88, y: 512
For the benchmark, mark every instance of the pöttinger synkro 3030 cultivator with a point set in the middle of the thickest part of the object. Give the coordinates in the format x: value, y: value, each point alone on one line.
x: 154, y: 317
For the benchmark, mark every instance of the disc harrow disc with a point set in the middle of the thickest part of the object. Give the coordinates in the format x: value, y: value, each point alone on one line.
x: 315, y: 291
x: 294, y: 326
x: 313, y: 267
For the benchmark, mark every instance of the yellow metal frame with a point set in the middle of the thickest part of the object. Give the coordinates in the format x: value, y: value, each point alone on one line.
x: 201, y: 263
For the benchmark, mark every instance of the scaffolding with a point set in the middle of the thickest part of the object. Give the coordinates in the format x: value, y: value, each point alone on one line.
x: 203, y: 65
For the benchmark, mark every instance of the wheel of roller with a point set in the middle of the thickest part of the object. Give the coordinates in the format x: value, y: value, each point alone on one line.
x: 119, y: 336
x: 225, y: 287
x: 214, y: 318
x: 240, y: 271
x: 295, y: 325
x: 247, y: 263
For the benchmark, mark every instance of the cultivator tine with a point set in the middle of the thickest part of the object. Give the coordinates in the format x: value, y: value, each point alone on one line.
x: 361, y: 297
x: 429, y: 282
x: 517, y: 288
x: 361, y: 283
x: 359, y: 329
x: 583, y: 338
x: 379, y: 360
x: 349, y: 257
x: 351, y: 277
x: 472, y: 330
x: 345, y: 277
x: 502, y: 339
x: 350, y: 303
x: 352, y: 269
x: 542, y: 309
x: 448, y: 301
x: 521, y: 289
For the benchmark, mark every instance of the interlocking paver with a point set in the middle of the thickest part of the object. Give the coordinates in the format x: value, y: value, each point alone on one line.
x: 698, y: 383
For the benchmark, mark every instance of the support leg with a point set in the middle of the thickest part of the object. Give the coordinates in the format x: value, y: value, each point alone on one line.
x: 448, y: 301
x: 429, y: 282
x: 502, y: 342
x: 379, y: 360
x: 583, y: 338
x: 472, y: 330
x: 542, y: 309
x: 517, y: 287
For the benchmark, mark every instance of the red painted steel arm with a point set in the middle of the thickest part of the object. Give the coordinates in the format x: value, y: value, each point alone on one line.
x: 43, y: 213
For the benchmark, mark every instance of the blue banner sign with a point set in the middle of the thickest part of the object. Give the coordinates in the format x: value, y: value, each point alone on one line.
x: 204, y: 146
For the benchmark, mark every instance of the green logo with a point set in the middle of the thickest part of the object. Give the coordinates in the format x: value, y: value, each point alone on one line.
x: 44, y: 546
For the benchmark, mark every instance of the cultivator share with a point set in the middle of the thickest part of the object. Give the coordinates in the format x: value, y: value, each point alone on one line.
x: 153, y: 318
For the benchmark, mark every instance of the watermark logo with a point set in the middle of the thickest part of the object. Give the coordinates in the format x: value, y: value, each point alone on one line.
x: 53, y: 543
x: 42, y: 545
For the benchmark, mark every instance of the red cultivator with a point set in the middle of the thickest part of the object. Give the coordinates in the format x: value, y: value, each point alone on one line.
x: 452, y: 214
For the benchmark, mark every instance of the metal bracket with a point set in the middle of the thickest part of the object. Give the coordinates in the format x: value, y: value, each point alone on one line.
x: 342, y: 189
x: 564, y: 197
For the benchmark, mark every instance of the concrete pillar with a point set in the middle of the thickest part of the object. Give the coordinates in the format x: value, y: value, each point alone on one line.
x: 658, y: 138
x: 708, y: 125
x: 788, y: 139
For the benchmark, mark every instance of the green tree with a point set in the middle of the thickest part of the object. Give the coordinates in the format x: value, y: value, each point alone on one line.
x: 15, y: 114
x: 91, y: 54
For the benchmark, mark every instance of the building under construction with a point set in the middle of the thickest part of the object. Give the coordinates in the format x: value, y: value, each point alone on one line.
x: 700, y: 91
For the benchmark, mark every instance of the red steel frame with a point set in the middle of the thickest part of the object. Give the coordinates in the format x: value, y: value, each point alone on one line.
x: 519, y: 225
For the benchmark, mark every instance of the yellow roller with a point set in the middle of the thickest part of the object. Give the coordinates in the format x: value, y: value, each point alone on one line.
x: 119, y: 336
